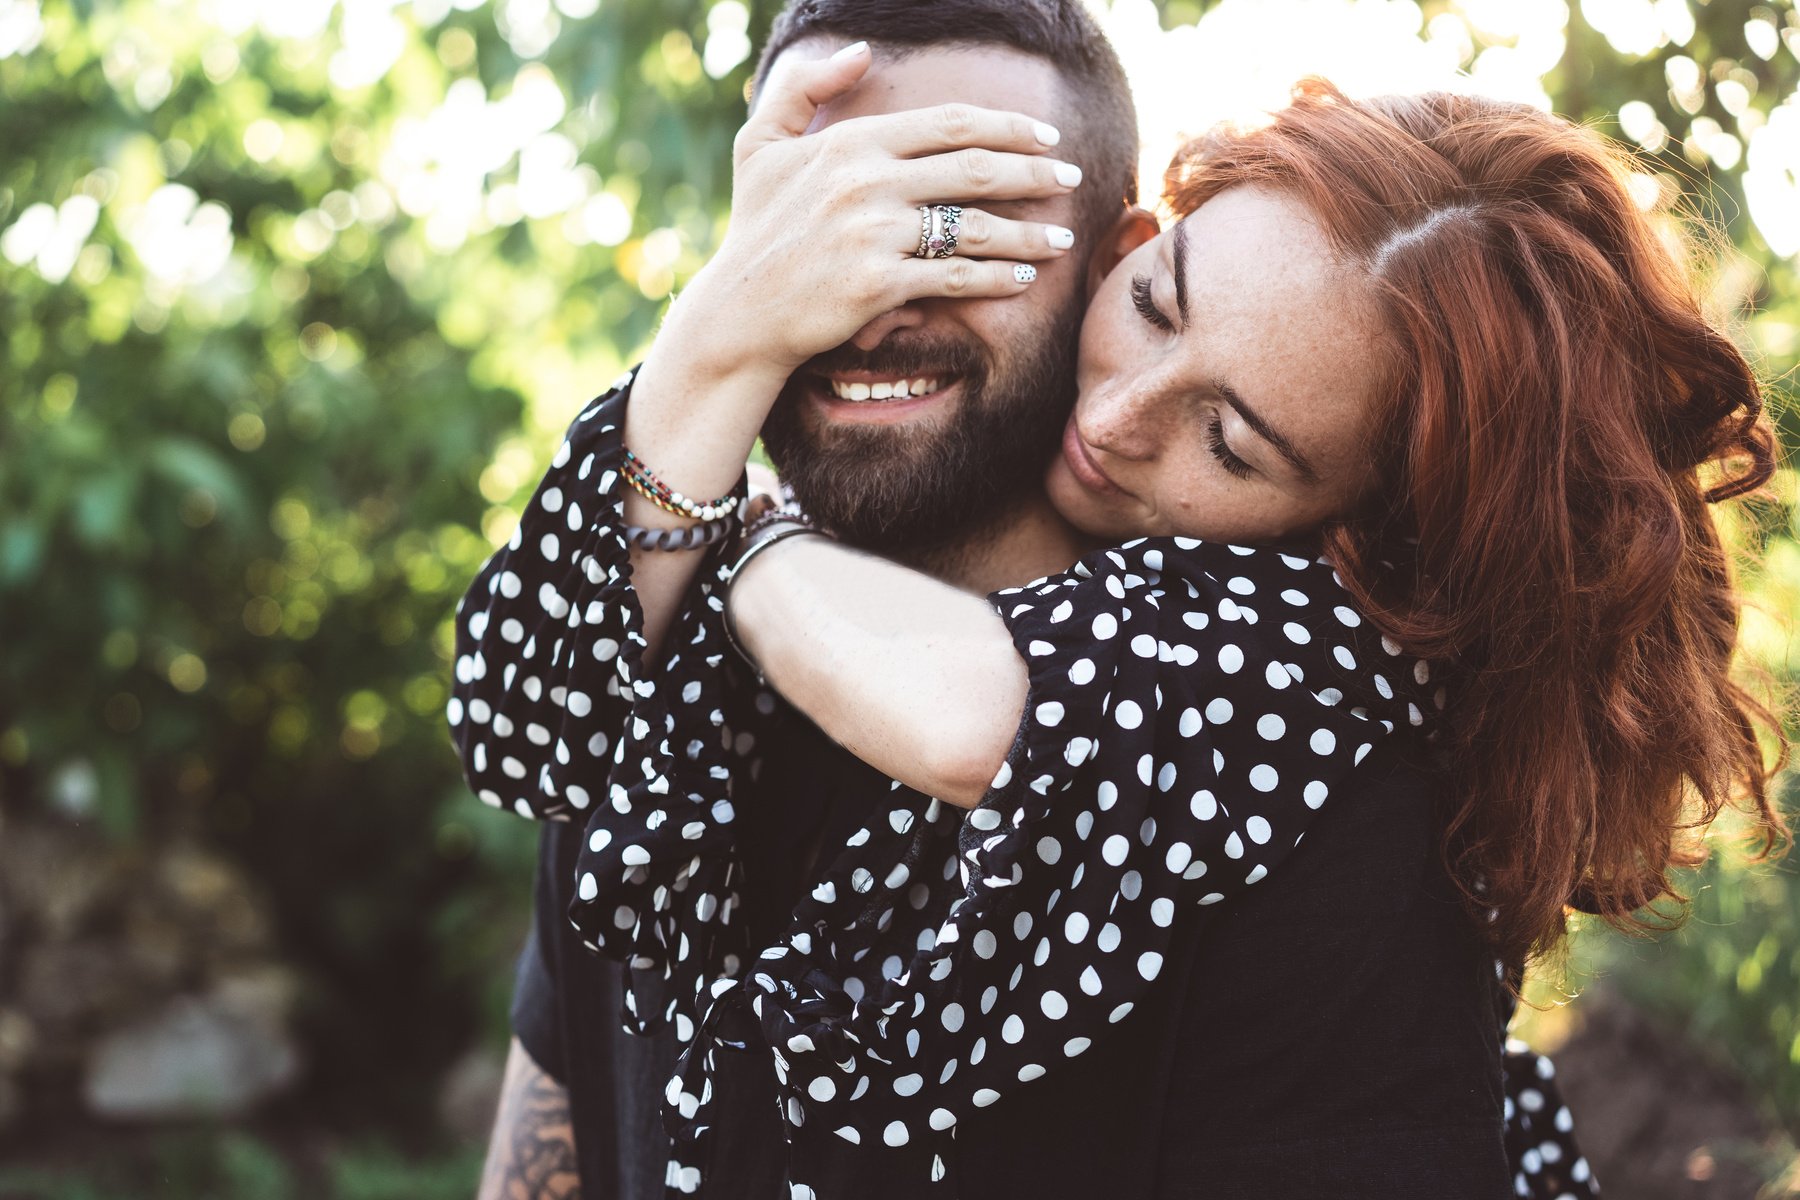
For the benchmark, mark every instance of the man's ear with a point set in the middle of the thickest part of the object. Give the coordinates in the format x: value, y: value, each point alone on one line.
x: 1132, y: 229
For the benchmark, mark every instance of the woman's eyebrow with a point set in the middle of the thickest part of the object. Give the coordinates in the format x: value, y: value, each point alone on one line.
x: 1180, y: 243
x: 1267, y: 432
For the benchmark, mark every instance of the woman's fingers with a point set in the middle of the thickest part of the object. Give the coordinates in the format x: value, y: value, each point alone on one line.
x: 983, y: 235
x: 963, y: 278
x: 944, y: 127
x: 793, y: 94
x: 985, y: 175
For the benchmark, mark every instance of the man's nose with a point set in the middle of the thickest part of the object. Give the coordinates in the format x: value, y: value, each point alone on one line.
x: 907, y: 316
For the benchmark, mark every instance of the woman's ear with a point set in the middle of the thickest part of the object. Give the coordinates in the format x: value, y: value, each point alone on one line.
x: 1132, y: 229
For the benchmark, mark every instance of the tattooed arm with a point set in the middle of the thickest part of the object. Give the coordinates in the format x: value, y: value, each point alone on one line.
x: 532, y: 1153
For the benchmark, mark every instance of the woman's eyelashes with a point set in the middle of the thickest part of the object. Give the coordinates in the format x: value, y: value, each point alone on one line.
x: 1215, y: 441
x: 1140, y: 299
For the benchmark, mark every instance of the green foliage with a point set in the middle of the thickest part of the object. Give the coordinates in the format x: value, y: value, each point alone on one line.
x: 265, y: 405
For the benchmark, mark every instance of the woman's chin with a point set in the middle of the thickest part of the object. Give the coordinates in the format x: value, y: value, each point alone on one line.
x: 1107, y: 518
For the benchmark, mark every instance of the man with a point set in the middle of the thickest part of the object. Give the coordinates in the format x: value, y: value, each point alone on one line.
x: 896, y: 490
x: 1252, y: 1037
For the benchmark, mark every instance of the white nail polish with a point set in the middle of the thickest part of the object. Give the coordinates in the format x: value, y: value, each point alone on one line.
x: 1058, y: 237
x: 1049, y: 135
x: 1068, y: 174
x: 850, y: 51
x: 1025, y: 273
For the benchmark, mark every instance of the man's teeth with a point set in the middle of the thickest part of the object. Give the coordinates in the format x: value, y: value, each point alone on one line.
x: 894, y: 389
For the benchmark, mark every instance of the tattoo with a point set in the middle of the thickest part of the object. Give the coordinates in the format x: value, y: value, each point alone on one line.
x: 532, y: 1153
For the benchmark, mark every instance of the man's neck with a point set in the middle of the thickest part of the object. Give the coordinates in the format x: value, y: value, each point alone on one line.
x: 1023, y: 544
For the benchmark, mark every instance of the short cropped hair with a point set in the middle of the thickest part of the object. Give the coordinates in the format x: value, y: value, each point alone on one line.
x: 1099, y: 119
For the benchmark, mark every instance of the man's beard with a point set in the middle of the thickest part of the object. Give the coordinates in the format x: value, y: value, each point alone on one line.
x: 911, y: 492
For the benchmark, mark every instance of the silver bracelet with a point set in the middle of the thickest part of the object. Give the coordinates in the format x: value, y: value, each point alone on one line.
x: 777, y: 531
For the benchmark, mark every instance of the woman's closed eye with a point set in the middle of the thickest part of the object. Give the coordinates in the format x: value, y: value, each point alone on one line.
x: 1215, y: 442
x: 1140, y: 299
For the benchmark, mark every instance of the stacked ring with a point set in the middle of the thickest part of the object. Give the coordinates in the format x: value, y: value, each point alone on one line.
x: 939, y: 227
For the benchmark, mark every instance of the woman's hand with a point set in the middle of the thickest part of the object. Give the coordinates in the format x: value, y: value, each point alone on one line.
x: 825, y: 225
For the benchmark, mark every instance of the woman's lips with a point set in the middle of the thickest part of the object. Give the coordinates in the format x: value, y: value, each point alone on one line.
x: 1087, y: 472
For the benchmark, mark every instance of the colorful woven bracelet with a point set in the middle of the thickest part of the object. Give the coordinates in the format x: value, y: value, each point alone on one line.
x: 644, y: 481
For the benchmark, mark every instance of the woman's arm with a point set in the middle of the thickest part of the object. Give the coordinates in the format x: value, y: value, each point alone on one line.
x: 913, y: 676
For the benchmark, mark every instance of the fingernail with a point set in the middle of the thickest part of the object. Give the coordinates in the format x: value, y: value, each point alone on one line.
x: 1068, y: 174
x: 1049, y: 135
x: 1060, y: 238
x: 852, y: 50
x: 1025, y: 273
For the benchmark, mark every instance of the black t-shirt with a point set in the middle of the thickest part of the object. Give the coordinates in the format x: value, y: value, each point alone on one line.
x: 1335, y: 1035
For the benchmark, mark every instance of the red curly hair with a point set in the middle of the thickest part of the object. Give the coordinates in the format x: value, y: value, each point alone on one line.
x: 1561, y: 416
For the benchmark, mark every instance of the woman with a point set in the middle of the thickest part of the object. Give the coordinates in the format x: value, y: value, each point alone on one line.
x: 1490, y: 534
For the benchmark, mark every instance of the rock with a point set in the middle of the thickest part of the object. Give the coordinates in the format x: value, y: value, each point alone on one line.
x: 207, y: 1056
x: 1657, y: 1120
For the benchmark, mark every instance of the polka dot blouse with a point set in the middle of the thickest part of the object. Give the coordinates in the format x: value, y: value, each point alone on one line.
x: 1191, y: 706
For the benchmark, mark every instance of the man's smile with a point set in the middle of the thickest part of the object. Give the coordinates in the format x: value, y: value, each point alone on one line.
x: 876, y: 398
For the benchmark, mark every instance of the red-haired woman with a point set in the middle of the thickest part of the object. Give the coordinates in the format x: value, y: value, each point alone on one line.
x: 1405, y: 435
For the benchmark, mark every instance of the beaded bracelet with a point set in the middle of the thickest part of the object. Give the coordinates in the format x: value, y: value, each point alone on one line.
x: 647, y: 485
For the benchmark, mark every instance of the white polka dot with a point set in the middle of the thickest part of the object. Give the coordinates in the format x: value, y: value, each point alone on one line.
x: 1050, y: 714
x: 1204, y: 806
x: 1180, y: 854
x: 1316, y: 793
x: 1054, y: 1006
x: 952, y: 1017
x: 1277, y: 676
x: 1106, y: 627
x: 1346, y: 616
x: 1114, y: 849
x: 1075, y: 1046
x: 1029, y: 1072
x: 895, y: 1133
x: 821, y: 1089
x: 942, y: 1119
x: 1128, y: 714
x: 1090, y: 981
x: 1149, y: 964
x: 1218, y: 710
x: 1012, y: 1030
x: 1270, y: 727
x: 909, y: 1085
x: 1162, y: 911
x: 1231, y: 659
x: 1190, y: 723
x: 984, y: 943
x: 1082, y: 672
x: 1076, y: 928
x: 1323, y: 741
x: 1259, y: 830
x: 1263, y: 777
x: 1144, y: 646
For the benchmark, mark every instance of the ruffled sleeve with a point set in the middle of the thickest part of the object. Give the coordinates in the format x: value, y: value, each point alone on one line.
x: 1191, y: 706
x: 556, y: 716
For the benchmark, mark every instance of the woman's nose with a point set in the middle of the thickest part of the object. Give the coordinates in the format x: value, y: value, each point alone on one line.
x: 1126, y: 423
x: 907, y: 316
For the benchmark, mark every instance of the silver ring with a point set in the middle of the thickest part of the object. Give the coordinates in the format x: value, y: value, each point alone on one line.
x: 940, y: 225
